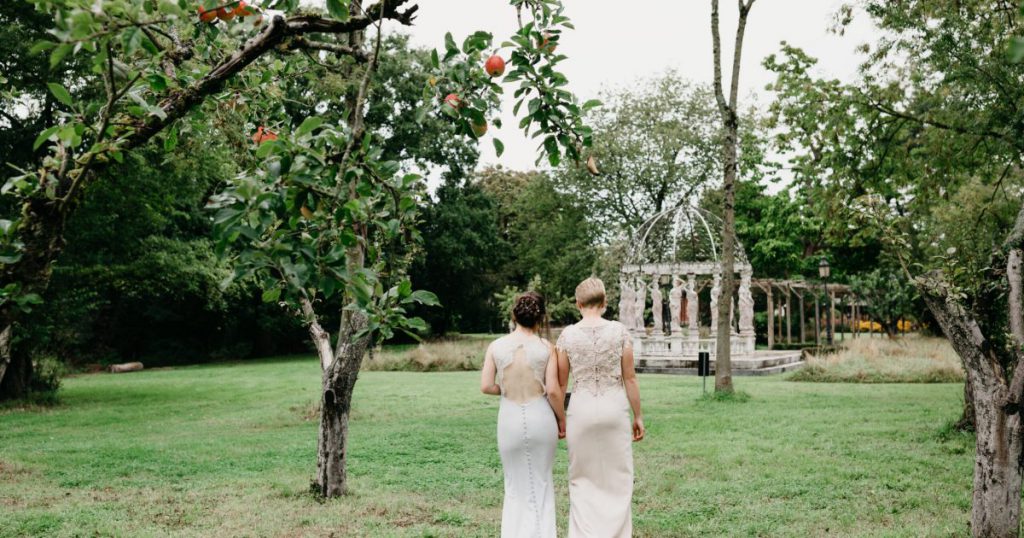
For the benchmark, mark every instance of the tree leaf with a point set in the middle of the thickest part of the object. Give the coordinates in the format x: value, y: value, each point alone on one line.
x: 308, y: 125
x: 59, y: 53
x: 60, y: 93
x: 1017, y: 49
x: 338, y: 9
x: 43, y: 136
x: 423, y: 297
x: 271, y: 295
x: 499, y: 147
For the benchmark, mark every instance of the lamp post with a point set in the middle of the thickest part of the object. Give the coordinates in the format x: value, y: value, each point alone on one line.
x: 824, y: 271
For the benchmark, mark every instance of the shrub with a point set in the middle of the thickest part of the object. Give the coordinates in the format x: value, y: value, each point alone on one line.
x: 909, y: 359
x: 452, y: 354
x: 47, y: 372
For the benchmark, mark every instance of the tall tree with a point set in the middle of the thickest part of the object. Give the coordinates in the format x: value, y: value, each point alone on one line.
x: 658, y: 146
x: 728, y: 111
x: 935, y: 111
x: 550, y: 234
x: 322, y: 211
x: 464, y: 259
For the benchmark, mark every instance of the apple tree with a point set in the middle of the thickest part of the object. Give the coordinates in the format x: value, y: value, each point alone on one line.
x: 320, y: 217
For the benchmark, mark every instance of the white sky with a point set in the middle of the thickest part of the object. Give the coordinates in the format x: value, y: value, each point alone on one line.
x: 615, y: 43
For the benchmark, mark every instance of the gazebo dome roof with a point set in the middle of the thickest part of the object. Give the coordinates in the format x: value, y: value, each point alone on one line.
x: 680, y: 235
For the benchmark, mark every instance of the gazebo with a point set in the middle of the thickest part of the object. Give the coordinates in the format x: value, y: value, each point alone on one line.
x: 671, y: 259
x: 677, y: 251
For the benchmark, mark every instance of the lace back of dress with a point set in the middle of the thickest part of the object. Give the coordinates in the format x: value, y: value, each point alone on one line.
x: 518, y: 372
x: 595, y: 354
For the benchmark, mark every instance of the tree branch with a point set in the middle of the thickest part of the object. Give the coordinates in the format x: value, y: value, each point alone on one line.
x: 321, y: 339
x: 716, y: 48
x: 734, y: 84
x: 938, y: 124
x: 337, y: 48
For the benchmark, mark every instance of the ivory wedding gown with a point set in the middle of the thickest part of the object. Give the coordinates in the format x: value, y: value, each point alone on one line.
x: 598, y: 432
x: 527, y: 437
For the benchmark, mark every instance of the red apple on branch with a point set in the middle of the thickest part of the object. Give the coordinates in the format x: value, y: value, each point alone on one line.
x: 495, y: 66
x: 225, y: 13
x: 263, y: 135
x: 207, y: 16
x: 453, y: 101
x: 243, y: 9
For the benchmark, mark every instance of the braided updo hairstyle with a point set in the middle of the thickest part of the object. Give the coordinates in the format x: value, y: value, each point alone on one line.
x: 529, y: 310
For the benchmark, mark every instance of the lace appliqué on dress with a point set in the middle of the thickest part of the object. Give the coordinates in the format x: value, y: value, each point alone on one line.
x: 595, y: 355
x: 537, y: 354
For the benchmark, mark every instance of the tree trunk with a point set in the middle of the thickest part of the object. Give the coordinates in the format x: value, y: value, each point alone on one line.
x: 997, y: 470
x: 15, y: 368
x: 338, y: 383
x: 995, y: 510
x: 42, y: 232
x: 967, y: 418
x: 730, y: 124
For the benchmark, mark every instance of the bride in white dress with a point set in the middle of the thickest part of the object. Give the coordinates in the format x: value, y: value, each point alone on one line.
x: 521, y: 369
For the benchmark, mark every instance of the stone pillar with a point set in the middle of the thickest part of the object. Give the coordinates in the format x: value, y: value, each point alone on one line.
x: 817, y: 321
x: 659, y: 328
x: 716, y: 290
x: 803, y: 324
x: 692, y: 306
x: 746, y: 305
x: 745, y: 308
x: 641, y: 302
x: 789, y: 314
x: 627, y: 301
x: 675, y: 304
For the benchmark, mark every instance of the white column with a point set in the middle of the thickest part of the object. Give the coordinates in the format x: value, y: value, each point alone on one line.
x: 692, y: 306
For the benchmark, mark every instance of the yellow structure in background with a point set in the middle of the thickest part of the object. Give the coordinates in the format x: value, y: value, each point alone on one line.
x: 902, y: 325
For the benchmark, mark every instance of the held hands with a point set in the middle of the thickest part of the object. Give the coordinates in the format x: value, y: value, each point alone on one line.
x: 561, y: 428
x: 638, y: 429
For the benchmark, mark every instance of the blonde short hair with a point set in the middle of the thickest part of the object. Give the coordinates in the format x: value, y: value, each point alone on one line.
x: 590, y: 293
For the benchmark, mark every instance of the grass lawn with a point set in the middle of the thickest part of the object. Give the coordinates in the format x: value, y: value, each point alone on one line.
x: 228, y: 450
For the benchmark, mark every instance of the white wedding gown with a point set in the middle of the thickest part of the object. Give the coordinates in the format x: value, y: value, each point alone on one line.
x: 527, y: 437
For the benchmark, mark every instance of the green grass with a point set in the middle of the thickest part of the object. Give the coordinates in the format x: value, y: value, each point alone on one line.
x: 228, y: 450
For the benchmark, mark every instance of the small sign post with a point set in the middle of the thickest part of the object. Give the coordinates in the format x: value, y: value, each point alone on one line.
x: 704, y: 368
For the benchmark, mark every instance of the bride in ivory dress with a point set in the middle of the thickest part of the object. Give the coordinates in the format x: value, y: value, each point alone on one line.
x: 599, y: 432
x: 520, y: 368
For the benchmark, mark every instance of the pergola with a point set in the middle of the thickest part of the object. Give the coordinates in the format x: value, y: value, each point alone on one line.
x: 780, y: 311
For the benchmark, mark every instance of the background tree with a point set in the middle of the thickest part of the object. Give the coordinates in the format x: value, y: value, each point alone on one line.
x: 464, y: 258
x: 729, y: 113
x: 323, y: 211
x: 888, y: 294
x: 934, y: 112
x: 551, y: 234
x: 658, y: 146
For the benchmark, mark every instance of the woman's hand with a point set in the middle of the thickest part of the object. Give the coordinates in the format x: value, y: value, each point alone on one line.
x: 638, y: 429
x: 561, y: 428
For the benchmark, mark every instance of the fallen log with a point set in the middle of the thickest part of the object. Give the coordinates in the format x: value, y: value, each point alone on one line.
x: 125, y: 367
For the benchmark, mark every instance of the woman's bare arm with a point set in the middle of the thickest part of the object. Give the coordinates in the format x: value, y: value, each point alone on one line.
x: 632, y: 392
x: 556, y: 392
x: 488, y: 375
